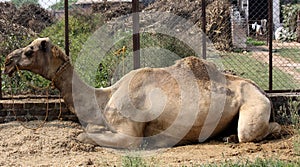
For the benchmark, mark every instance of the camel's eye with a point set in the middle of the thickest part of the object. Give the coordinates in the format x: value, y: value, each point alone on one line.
x: 28, y: 53
x: 43, y: 45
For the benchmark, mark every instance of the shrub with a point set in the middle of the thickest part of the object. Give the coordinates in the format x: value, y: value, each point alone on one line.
x: 251, y: 41
x: 290, y: 13
x: 284, y: 35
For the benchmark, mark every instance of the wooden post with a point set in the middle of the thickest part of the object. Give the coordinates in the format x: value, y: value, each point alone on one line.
x: 136, y: 34
x: 203, y: 27
x: 298, y: 27
x: 1, y: 96
x: 67, y: 47
x: 270, y: 42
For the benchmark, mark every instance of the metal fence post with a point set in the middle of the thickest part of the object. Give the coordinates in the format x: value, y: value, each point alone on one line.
x: 136, y: 34
x: 270, y: 39
x: 203, y: 17
x: 67, y: 48
x: 1, y: 95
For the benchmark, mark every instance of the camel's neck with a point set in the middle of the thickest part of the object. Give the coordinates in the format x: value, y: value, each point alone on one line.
x: 63, y: 80
x: 83, y: 100
x: 63, y: 83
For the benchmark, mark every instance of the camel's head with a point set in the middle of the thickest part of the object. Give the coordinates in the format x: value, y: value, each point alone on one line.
x: 40, y: 57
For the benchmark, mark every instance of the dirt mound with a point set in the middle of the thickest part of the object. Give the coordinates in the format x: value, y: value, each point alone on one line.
x: 7, y: 10
x: 218, y: 27
x: 34, y: 17
x: 113, y: 10
x: 17, y: 25
x: 189, y: 10
x: 30, y: 16
x: 11, y: 34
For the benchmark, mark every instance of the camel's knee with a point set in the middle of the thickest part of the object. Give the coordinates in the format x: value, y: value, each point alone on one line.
x: 253, y: 124
x: 258, y: 133
x: 252, y: 133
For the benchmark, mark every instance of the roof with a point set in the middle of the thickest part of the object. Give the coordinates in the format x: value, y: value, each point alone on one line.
x: 100, y: 1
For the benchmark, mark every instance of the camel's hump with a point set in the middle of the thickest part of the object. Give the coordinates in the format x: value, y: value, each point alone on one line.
x: 202, y: 69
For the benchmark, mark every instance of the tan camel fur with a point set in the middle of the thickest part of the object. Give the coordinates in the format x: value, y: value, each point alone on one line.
x: 188, y: 102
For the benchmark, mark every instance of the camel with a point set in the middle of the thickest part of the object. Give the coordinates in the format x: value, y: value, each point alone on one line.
x: 188, y: 102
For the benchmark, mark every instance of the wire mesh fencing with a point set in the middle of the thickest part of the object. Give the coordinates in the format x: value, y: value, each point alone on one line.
x: 286, y: 59
x: 265, y: 49
x: 237, y: 32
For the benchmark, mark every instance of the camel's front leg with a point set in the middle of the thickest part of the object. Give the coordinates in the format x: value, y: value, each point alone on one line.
x: 110, y: 139
x: 253, y: 124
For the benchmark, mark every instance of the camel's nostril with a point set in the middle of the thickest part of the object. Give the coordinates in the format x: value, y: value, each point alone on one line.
x: 9, y: 61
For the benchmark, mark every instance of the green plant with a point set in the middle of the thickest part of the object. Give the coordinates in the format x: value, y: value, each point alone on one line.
x: 294, y: 109
x: 254, y: 42
x: 295, y: 119
x: 289, y: 114
x: 285, y: 35
x: 19, y: 3
x: 258, y: 162
x: 60, y: 5
x: 297, y: 144
x: 81, y: 27
x: 133, y: 161
x: 117, y: 61
x: 289, y: 13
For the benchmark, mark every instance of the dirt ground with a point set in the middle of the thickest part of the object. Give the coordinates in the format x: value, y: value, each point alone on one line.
x: 55, y: 144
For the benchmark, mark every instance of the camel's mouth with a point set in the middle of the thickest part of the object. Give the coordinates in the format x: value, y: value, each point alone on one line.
x: 9, y: 70
x: 11, y: 62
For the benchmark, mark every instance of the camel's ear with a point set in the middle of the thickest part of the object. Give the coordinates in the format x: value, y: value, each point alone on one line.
x: 44, y: 45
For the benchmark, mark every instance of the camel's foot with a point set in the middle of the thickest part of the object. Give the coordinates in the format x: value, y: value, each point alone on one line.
x: 231, y: 139
x: 84, y: 138
x: 110, y: 139
x: 91, y: 129
x: 274, y: 127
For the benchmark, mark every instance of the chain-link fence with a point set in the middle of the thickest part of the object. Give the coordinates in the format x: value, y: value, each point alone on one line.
x: 270, y: 48
x: 239, y: 32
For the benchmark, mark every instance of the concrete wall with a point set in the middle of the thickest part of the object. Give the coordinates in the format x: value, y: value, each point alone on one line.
x: 36, y: 109
x: 33, y: 110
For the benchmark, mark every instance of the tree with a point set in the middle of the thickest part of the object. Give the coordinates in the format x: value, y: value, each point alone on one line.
x: 19, y: 3
x: 60, y: 5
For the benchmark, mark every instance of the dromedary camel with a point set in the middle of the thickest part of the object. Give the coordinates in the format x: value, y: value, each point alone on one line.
x: 187, y: 102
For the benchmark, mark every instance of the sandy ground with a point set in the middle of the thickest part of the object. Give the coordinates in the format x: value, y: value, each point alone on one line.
x: 55, y: 144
